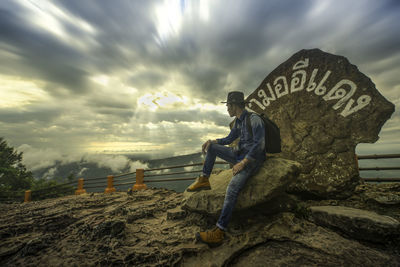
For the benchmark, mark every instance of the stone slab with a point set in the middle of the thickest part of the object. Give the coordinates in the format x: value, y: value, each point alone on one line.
x: 360, y: 224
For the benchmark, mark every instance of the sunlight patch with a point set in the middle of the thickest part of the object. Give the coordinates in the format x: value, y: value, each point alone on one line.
x: 16, y: 92
x: 171, y: 15
x: 101, y: 79
x: 163, y: 99
x: 115, y: 147
x: 168, y: 19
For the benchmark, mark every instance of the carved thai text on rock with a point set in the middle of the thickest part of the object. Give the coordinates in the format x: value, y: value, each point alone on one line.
x: 341, y: 93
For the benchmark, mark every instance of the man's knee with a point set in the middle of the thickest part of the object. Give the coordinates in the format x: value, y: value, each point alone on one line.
x: 211, y: 147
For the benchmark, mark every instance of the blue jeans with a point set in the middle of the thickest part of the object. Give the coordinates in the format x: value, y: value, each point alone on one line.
x: 237, y: 182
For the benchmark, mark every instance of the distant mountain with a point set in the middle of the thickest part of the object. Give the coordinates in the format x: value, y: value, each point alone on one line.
x: 177, y: 160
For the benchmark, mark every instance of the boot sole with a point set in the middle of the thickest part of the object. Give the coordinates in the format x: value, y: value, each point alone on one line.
x: 198, y: 189
x: 212, y: 245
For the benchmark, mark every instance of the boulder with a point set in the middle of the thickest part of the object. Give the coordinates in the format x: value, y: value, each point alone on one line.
x: 324, y: 107
x: 360, y: 224
x: 269, y: 183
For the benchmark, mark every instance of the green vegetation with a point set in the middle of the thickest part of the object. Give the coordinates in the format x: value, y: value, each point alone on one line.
x: 15, y: 179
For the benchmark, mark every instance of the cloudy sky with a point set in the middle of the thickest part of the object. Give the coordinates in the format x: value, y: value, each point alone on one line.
x: 146, y: 77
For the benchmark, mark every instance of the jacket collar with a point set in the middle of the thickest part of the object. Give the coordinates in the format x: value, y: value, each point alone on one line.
x: 243, y: 115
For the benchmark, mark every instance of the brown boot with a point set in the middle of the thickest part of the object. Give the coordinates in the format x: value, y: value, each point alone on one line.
x: 212, y: 238
x: 202, y: 183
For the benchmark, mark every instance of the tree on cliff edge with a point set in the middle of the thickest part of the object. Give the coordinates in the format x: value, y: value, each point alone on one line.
x: 13, y: 174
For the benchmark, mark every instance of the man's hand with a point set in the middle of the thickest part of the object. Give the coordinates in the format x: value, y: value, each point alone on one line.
x: 205, y: 146
x: 238, y: 167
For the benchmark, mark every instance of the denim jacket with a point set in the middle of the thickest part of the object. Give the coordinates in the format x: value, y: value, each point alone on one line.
x: 250, y: 148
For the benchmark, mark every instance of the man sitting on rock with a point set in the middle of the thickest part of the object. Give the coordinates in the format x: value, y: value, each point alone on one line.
x: 247, y: 158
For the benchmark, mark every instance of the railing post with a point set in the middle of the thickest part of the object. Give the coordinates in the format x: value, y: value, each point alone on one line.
x: 80, y: 189
x: 139, y: 185
x: 28, y: 196
x: 110, y: 185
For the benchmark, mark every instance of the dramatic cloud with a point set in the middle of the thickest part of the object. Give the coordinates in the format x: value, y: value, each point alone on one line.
x: 147, y: 77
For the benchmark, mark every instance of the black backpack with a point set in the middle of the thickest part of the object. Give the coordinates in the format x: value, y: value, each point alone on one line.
x: 272, y: 133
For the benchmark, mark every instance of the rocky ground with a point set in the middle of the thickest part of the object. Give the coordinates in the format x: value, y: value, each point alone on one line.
x: 148, y: 228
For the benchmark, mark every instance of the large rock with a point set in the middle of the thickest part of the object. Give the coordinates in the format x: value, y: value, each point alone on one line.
x: 270, y: 182
x: 284, y: 240
x: 361, y: 224
x: 324, y: 107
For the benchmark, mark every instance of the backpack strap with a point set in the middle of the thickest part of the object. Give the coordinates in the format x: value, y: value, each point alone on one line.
x: 248, y: 124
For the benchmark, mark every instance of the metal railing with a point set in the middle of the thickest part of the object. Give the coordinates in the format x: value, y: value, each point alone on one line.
x: 38, y: 194
x: 175, y: 173
x: 12, y: 196
x: 382, y: 156
x: 136, y: 179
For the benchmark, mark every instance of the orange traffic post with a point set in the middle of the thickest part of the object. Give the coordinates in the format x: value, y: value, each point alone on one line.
x: 28, y: 196
x: 110, y: 185
x: 139, y: 185
x: 80, y: 189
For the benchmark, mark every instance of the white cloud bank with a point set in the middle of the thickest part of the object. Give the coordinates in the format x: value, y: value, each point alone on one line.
x: 38, y: 158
